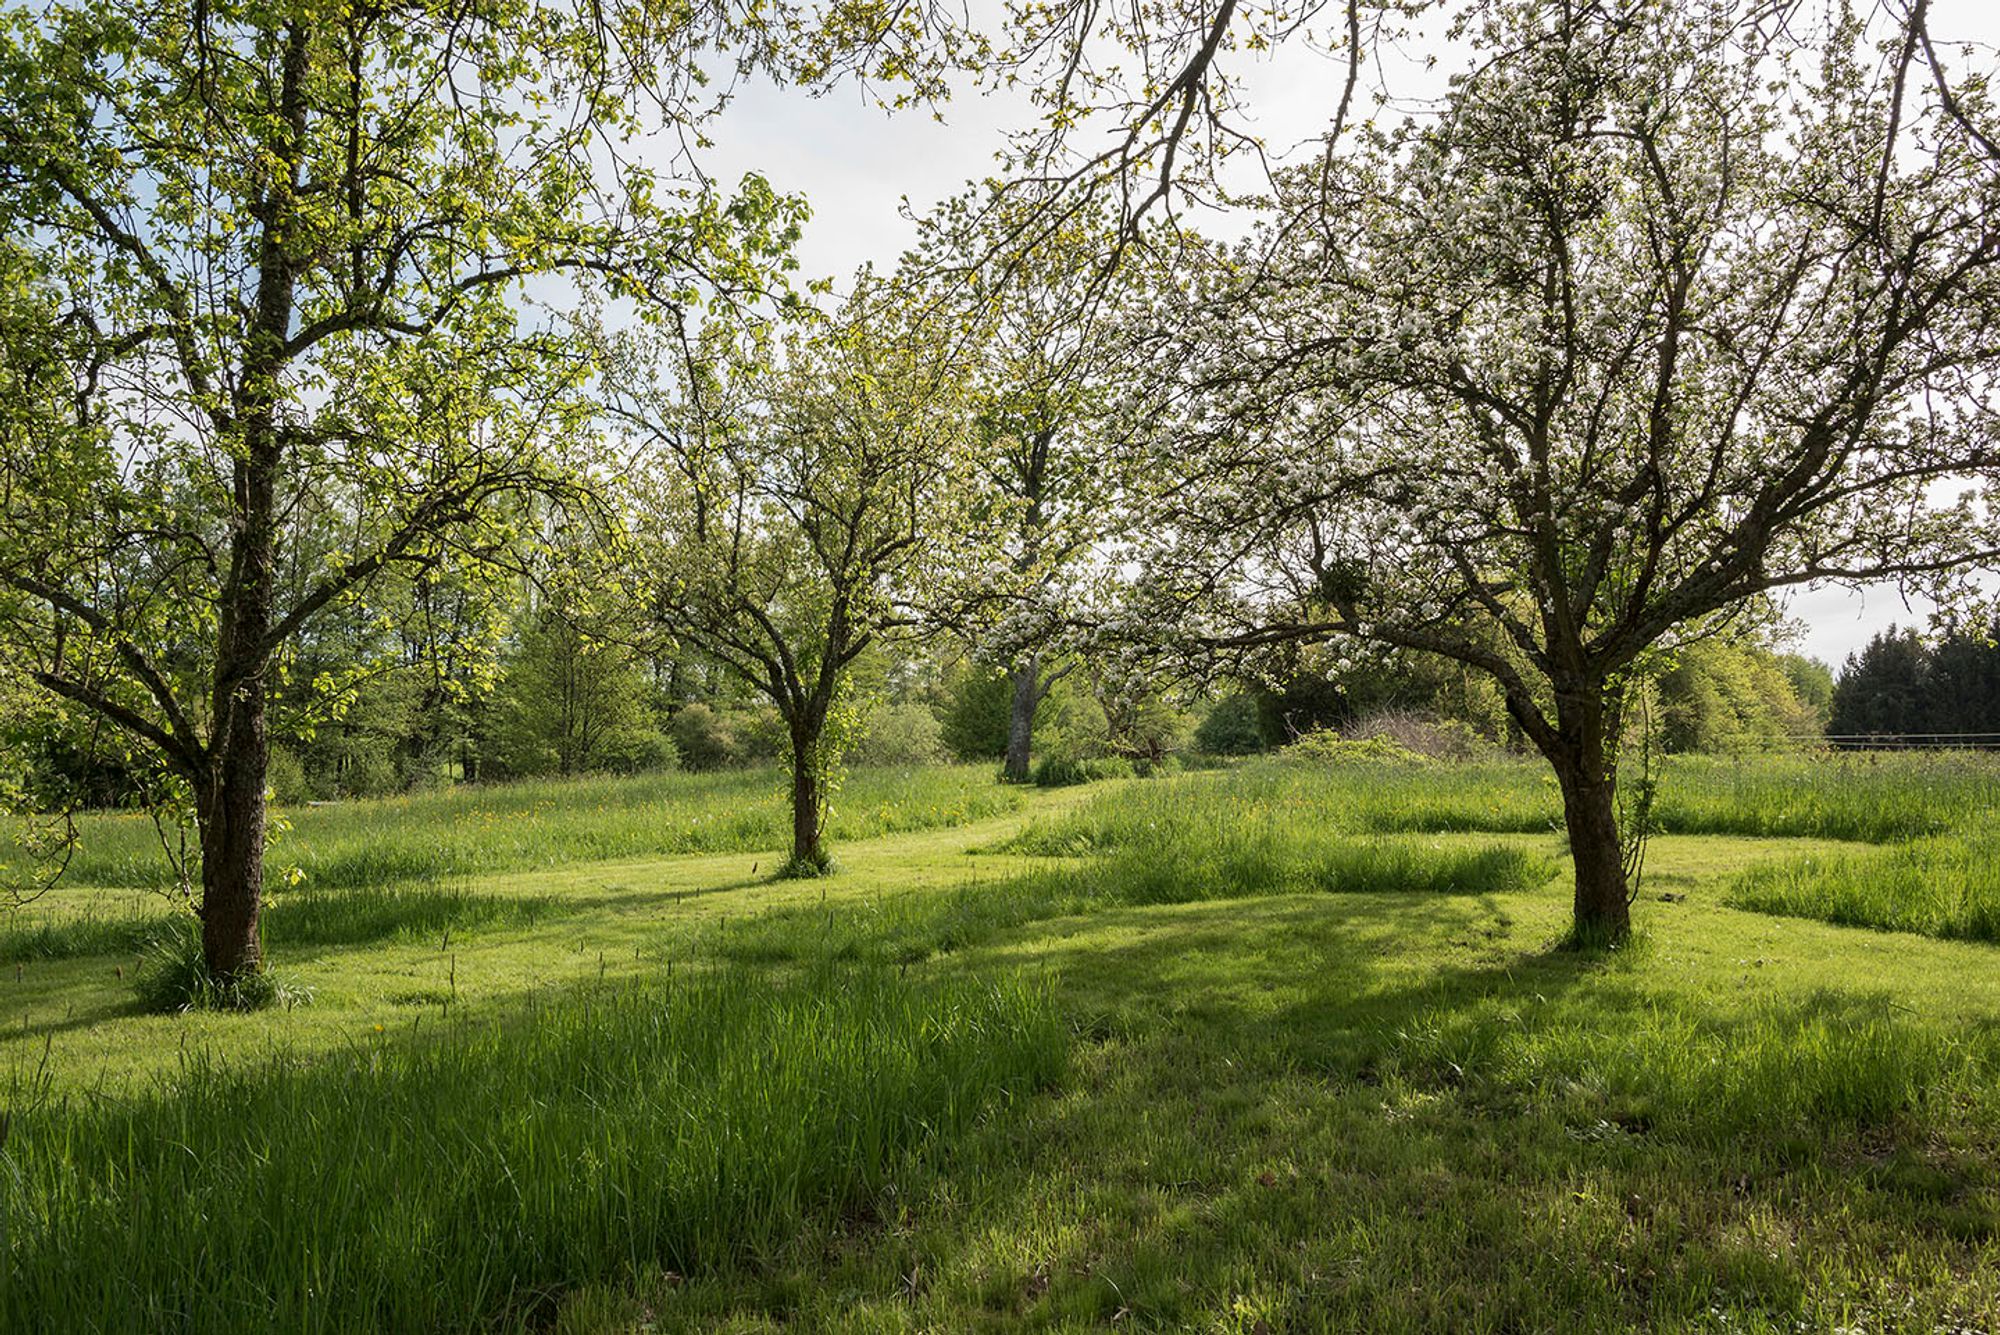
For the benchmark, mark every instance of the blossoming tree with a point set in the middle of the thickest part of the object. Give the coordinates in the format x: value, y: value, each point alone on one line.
x: 1663, y: 312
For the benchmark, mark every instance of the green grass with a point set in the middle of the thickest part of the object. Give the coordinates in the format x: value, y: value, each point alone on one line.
x: 475, y: 1177
x: 1865, y: 797
x: 1294, y: 1059
x: 1945, y: 887
x: 293, y: 920
x: 1869, y: 797
x: 909, y: 928
x: 513, y: 827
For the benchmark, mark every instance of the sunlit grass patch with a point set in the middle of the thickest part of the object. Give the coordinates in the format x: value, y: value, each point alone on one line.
x: 300, y: 917
x: 316, y: 917
x: 1944, y: 887
x: 446, y: 1183
x: 1813, y: 1066
x: 1864, y: 797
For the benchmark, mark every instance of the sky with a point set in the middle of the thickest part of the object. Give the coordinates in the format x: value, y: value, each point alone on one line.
x: 857, y: 164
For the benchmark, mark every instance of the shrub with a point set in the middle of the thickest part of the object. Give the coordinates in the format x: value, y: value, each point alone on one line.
x: 1423, y: 735
x: 1234, y: 727
x: 761, y: 733
x: 639, y: 751
x: 1326, y: 747
x: 368, y: 771
x: 286, y: 776
x: 904, y: 733
x: 704, y: 738
x: 973, y: 718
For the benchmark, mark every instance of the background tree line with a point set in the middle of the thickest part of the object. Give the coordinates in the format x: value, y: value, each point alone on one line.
x: 1902, y: 685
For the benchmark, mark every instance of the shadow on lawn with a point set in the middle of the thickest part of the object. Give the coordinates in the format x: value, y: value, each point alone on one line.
x: 1380, y: 1112
x: 1287, y: 1123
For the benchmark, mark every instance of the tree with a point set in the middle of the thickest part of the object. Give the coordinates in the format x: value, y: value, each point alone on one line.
x: 1881, y: 688
x: 1661, y: 313
x: 1046, y: 314
x: 287, y: 247
x: 1719, y: 695
x: 571, y: 701
x: 791, y: 516
x: 1812, y: 684
x: 1901, y: 689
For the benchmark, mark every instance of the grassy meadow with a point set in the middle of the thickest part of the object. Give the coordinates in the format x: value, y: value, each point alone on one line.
x: 1282, y: 1047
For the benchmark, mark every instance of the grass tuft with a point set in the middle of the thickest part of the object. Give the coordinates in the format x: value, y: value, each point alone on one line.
x: 173, y: 978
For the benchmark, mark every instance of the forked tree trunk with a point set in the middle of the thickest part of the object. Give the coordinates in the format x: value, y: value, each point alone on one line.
x: 1585, y: 761
x: 1021, y: 720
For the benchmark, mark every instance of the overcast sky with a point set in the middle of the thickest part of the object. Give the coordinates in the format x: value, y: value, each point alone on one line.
x: 857, y: 164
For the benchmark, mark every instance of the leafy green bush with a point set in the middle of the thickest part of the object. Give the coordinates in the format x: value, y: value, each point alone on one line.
x: 1424, y: 735
x: 286, y: 778
x: 1233, y: 727
x: 704, y: 738
x: 1326, y: 747
x: 972, y: 718
x: 902, y: 733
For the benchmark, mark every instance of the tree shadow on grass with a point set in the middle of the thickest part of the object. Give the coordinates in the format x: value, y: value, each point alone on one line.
x: 1380, y: 1112
x: 1284, y: 1121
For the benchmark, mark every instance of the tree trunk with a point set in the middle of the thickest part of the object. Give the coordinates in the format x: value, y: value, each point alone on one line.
x: 1585, y: 762
x: 232, y: 819
x: 230, y: 809
x: 808, y: 813
x: 1021, y: 720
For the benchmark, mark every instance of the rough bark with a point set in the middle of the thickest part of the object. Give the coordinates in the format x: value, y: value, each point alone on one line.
x: 1021, y: 720
x: 807, y: 811
x: 1585, y: 761
x: 232, y: 820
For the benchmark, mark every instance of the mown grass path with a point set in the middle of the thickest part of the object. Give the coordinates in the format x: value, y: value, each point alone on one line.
x: 605, y: 920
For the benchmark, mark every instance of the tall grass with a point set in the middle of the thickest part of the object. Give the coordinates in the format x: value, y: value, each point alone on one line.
x: 1165, y: 849
x: 462, y: 1184
x: 1871, y: 797
x: 1268, y: 830
x: 1944, y: 887
x: 1297, y: 804
x: 1874, y: 798
x: 516, y: 827
x: 311, y: 916
x: 1812, y: 1066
